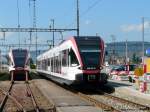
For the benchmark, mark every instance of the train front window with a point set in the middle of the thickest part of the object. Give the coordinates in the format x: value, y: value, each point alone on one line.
x: 90, y: 58
x: 90, y: 55
x: 90, y: 52
x: 19, y: 58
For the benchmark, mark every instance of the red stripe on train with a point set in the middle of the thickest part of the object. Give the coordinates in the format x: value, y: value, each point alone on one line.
x: 91, y: 71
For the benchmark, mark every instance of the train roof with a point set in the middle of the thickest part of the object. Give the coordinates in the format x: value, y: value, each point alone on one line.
x: 19, y: 49
x: 80, y: 38
x: 77, y: 38
x: 87, y: 37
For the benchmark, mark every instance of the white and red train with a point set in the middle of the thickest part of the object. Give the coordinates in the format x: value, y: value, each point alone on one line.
x: 75, y: 61
x: 18, y: 64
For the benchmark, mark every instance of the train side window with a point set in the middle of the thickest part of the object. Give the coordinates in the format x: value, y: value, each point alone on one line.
x: 52, y: 64
x: 48, y: 61
x: 64, y: 58
x: 74, y: 60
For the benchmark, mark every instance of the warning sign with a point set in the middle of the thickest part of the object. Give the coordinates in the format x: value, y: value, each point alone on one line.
x: 139, y: 71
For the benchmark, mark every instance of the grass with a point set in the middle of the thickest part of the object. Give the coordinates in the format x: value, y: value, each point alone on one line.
x: 4, y: 76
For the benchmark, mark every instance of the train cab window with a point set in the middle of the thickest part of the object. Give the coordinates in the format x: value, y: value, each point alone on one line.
x: 19, y: 55
x: 73, y: 58
x: 90, y: 53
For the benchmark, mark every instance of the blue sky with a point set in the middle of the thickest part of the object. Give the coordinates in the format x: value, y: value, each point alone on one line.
x: 121, y: 18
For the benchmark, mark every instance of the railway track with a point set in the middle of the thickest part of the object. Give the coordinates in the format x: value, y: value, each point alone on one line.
x: 119, y: 103
x: 99, y: 104
x: 112, y: 103
x: 7, y: 94
x: 87, y: 98
x: 19, y: 96
x: 108, y: 102
x: 29, y: 92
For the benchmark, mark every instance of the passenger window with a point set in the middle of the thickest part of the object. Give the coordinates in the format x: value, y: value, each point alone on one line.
x: 64, y: 58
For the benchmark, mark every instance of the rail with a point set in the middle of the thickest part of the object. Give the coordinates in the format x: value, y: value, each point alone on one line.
x: 36, y: 108
x: 97, y: 103
x: 8, y: 95
x: 140, y: 106
x: 93, y: 101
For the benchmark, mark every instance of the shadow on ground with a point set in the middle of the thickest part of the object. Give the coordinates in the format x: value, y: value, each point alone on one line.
x: 118, y: 84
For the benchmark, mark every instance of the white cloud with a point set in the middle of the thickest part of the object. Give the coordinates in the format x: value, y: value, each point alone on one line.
x: 87, y: 22
x: 135, y: 27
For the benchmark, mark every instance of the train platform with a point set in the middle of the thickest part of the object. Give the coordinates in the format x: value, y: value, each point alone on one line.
x: 129, y: 91
x: 64, y: 101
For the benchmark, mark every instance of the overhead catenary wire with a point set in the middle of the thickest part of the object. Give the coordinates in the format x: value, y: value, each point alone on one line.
x: 86, y: 11
x: 90, y: 7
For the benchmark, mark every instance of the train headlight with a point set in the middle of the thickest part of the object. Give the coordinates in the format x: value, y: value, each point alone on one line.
x: 101, y: 68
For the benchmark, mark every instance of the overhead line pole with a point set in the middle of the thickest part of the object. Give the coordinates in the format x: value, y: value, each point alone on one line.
x: 18, y: 20
x: 53, y: 22
x: 143, y: 40
x: 34, y: 13
x: 126, y: 51
x: 78, y: 19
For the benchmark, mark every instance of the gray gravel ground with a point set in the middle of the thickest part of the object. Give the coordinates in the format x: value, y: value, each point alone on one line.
x: 127, y: 91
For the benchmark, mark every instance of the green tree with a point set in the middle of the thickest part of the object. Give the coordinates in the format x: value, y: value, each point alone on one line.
x: 32, y: 65
x: 135, y: 59
x: 31, y: 61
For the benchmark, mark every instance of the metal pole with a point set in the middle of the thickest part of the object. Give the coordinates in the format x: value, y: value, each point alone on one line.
x: 143, y: 40
x: 53, y: 22
x: 61, y: 36
x: 34, y: 13
x: 114, y: 52
x: 36, y: 47
x: 30, y: 46
x: 126, y: 52
x: 78, y: 19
